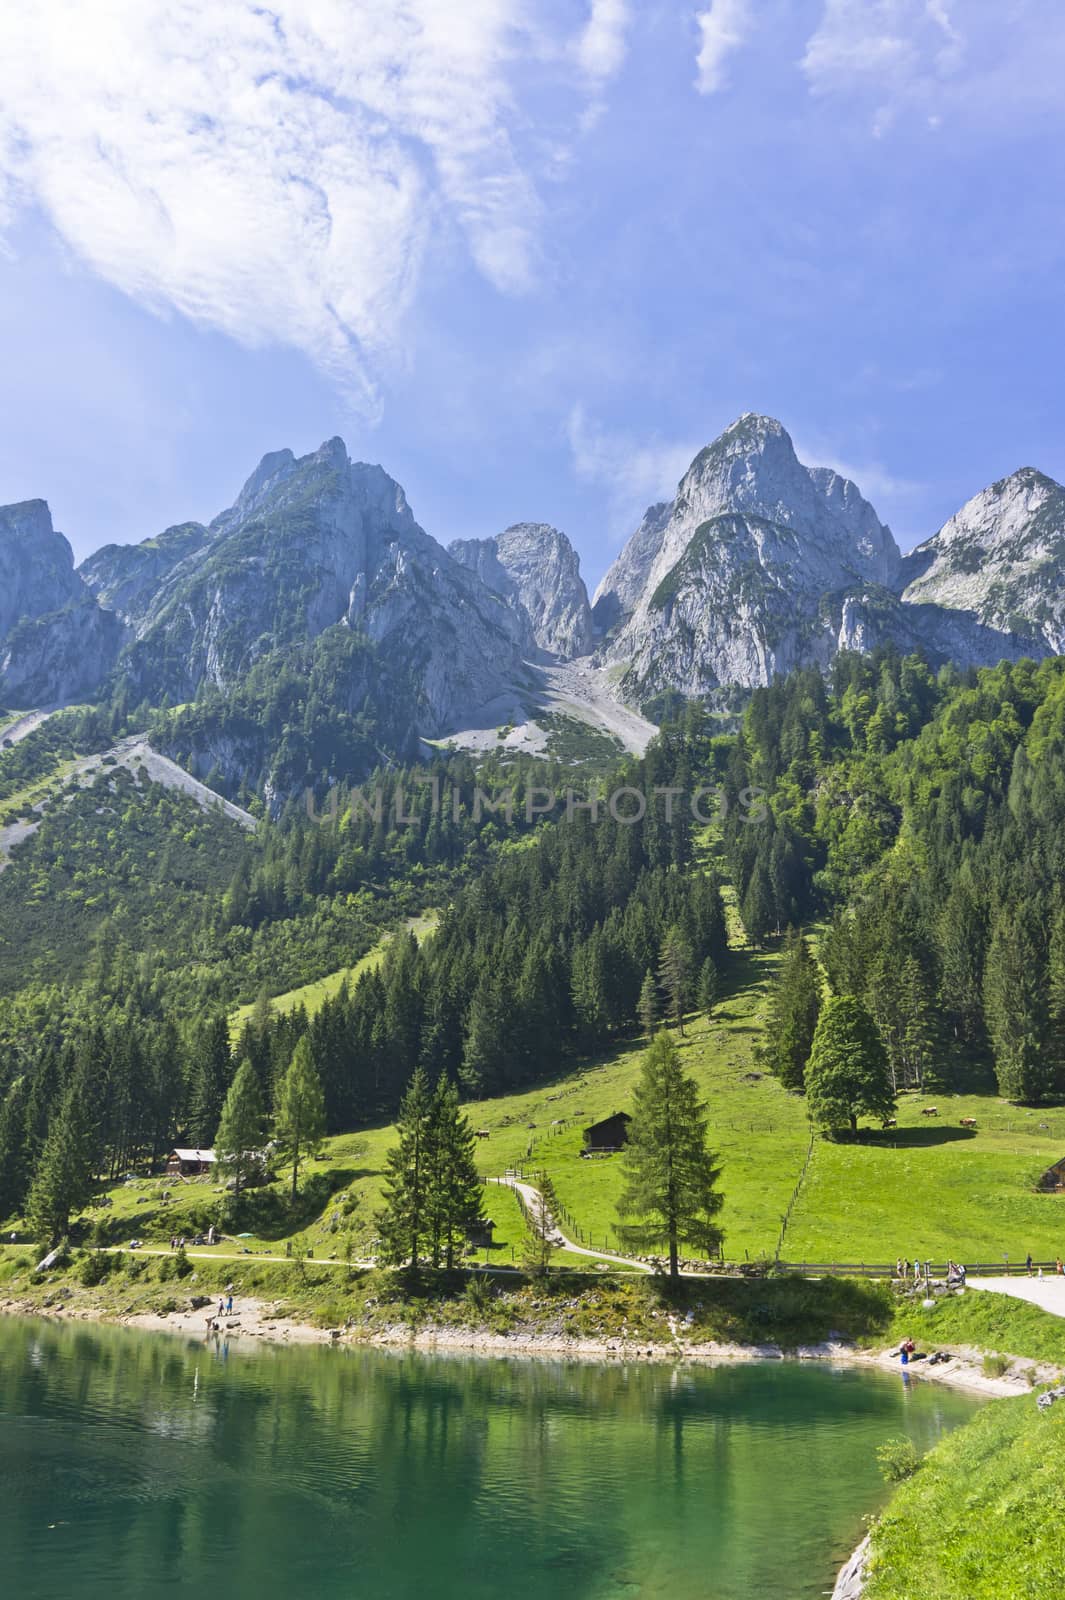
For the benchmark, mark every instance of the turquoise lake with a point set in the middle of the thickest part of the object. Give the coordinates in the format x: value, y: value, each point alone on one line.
x: 135, y: 1464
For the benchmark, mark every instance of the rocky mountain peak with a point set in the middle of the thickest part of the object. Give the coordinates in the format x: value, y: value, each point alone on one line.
x: 36, y: 565
x: 1001, y: 557
x: 535, y: 568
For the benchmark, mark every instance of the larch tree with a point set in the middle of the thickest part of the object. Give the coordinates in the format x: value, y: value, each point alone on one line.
x: 847, y: 1075
x: 671, y: 1177
x: 299, y: 1116
x: 238, y: 1141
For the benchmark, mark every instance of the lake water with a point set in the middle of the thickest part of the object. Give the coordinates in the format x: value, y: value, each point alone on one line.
x: 136, y: 1464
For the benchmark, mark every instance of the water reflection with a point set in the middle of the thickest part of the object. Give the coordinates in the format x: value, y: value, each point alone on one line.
x: 135, y: 1462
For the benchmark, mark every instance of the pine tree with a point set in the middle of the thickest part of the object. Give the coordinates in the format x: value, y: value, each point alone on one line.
x: 240, y: 1132
x: 675, y: 973
x: 671, y: 1178
x: 847, y: 1074
x: 792, y: 1012
x: 403, y: 1224
x: 649, y: 1006
x: 63, y: 1180
x: 299, y: 1118
x: 709, y: 986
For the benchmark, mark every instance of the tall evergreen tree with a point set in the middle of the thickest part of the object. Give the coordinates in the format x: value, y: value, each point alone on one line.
x: 847, y: 1074
x: 63, y: 1181
x: 238, y: 1141
x: 709, y: 986
x: 675, y: 974
x: 792, y: 1011
x: 1015, y: 1006
x: 649, y: 1007
x: 404, y: 1221
x: 212, y: 1071
x: 671, y: 1178
x: 299, y: 1118
x: 14, y: 1164
x: 455, y: 1191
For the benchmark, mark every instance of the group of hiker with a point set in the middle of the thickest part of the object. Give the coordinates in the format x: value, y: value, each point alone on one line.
x: 921, y: 1272
x: 225, y: 1309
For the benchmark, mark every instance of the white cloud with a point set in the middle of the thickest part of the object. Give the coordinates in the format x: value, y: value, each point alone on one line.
x: 274, y: 173
x: 635, y: 473
x: 898, y: 51
x: 601, y: 44
x: 723, y: 28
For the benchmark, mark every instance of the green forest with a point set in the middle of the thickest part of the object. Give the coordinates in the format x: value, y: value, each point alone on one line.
x: 895, y: 833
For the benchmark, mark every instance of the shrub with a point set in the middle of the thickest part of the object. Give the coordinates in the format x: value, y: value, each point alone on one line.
x: 898, y: 1460
x: 94, y: 1267
x: 995, y: 1366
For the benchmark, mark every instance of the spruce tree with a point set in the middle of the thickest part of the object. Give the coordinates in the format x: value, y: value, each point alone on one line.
x: 238, y: 1141
x: 63, y: 1180
x: 671, y: 1178
x: 847, y: 1074
x: 212, y: 1071
x: 649, y: 1006
x: 792, y: 1012
x: 299, y: 1118
x: 403, y: 1223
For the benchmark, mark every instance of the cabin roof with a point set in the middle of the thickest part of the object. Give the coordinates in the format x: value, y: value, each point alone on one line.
x: 194, y: 1155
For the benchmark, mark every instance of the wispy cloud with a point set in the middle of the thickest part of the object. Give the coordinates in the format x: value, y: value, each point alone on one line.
x: 601, y: 44
x: 896, y: 51
x: 634, y: 472
x: 723, y: 28
x: 277, y: 172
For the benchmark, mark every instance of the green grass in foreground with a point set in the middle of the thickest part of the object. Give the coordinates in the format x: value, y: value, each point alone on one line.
x: 982, y: 1518
x: 991, y: 1322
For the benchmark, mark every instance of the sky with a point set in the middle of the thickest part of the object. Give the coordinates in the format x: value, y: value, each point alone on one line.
x: 530, y: 255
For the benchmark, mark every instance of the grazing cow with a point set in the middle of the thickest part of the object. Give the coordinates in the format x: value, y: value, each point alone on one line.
x: 968, y: 1122
x: 930, y: 1111
x: 889, y: 1122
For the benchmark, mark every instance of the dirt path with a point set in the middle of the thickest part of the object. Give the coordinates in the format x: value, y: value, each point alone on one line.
x: 533, y: 1199
x: 1046, y: 1293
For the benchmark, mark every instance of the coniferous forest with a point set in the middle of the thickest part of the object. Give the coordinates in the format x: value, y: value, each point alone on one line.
x: 899, y: 832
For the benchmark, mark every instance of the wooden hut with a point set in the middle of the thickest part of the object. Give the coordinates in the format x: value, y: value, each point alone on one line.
x: 608, y: 1135
x: 190, y: 1163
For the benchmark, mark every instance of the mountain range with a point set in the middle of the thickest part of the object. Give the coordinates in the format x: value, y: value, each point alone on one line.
x: 759, y: 564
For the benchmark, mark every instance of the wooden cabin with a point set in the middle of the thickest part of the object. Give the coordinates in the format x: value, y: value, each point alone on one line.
x: 190, y: 1163
x: 610, y: 1134
x: 1053, y: 1178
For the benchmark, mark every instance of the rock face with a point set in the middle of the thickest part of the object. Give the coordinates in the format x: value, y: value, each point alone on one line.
x: 56, y: 643
x: 126, y: 577
x: 761, y: 564
x: 730, y: 576
x: 36, y: 565
x: 1002, y: 558
x: 312, y: 544
x: 537, y: 571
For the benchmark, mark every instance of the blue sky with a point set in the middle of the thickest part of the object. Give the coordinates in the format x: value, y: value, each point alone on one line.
x: 530, y: 256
